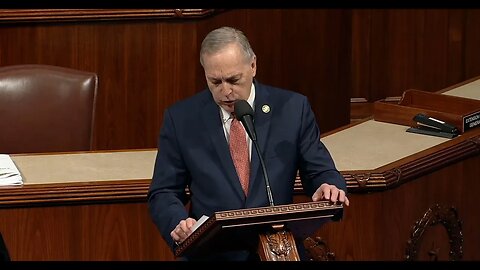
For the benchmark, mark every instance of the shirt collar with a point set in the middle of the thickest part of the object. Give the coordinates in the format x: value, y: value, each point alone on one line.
x: 226, y: 115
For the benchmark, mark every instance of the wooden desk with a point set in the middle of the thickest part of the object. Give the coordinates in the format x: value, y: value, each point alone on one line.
x: 405, y: 189
x: 82, y: 206
x: 413, y: 197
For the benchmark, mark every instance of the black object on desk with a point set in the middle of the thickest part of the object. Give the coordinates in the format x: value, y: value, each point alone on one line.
x: 431, y: 122
x: 434, y: 127
x: 431, y: 131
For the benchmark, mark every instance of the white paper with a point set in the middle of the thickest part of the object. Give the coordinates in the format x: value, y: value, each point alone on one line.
x: 199, y: 222
x: 9, y: 173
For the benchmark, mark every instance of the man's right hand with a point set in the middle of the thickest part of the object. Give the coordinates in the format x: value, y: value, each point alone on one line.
x: 182, y: 230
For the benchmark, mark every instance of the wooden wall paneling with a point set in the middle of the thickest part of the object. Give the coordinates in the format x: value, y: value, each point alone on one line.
x: 257, y: 27
x: 395, y: 50
x: 262, y: 28
x: 378, y: 73
x: 110, y: 221
x: 120, y: 232
x: 361, y: 50
x: 315, y: 60
x: 93, y: 232
x: 90, y: 14
x: 472, y: 42
x: 360, y: 105
x: 32, y: 236
x: 439, y: 43
x: 371, y: 54
x: 410, y: 49
x: 392, y: 51
x: 427, y: 63
x: 301, y: 50
x: 377, y: 225
x: 457, y: 44
x: 389, y: 203
x: 143, y: 66
x: 360, y: 109
x: 148, y: 70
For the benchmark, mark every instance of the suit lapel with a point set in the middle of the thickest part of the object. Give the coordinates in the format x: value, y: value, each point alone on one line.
x: 262, y: 127
x: 217, y: 136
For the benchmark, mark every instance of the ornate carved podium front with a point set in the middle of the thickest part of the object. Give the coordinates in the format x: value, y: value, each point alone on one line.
x: 278, y: 245
x: 276, y: 241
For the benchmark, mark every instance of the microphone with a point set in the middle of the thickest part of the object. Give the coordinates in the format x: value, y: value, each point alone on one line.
x: 244, y: 114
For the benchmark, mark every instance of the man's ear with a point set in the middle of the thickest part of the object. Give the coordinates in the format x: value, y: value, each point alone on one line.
x: 254, y: 66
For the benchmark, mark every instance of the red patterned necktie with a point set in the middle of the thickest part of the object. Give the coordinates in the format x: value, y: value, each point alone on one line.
x: 239, y: 152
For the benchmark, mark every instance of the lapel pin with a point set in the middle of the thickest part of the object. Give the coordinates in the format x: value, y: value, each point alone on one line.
x: 265, y: 108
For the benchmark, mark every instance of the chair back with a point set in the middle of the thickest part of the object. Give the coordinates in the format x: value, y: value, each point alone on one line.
x: 4, y: 256
x: 46, y: 108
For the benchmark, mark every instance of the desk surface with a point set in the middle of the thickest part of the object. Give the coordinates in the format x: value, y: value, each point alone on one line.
x: 85, y: 167
x: 468, y: 90
x: 366, y: 146
x: 372, y: 144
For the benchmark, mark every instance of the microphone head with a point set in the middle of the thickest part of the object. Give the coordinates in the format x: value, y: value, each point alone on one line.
x: 242, y: 108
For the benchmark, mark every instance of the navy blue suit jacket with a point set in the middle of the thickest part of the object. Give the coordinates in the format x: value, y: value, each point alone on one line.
x: 193, y: 152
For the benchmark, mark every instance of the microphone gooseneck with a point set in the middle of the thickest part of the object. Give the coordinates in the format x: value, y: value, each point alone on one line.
x: 244, y: 114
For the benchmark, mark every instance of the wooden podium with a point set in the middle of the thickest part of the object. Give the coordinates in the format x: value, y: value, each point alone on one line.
x: 224, y: 230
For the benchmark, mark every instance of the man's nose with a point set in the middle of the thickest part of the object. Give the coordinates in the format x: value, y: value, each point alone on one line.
x: 226, y: 88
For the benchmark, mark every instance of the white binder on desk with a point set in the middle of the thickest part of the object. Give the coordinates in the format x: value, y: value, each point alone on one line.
x: 9, y: 173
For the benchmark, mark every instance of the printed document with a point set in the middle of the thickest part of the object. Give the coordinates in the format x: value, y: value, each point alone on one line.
x: 9, y: 173
x: 199, y: 222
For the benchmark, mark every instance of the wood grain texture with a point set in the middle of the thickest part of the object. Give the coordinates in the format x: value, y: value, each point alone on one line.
x: 77, y: 15
x: 145, y: 64
x: 94, y: 232
x: 377, y: 225
x: 398, y: 49
x: 147, y: 59
x: 299, y: 49
x: 110, y: 220
x: 329, y: 55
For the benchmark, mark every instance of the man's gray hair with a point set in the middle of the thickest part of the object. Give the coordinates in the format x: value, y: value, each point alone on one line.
x: 219, y: 38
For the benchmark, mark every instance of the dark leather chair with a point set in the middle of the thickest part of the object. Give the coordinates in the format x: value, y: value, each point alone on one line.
x: 46, y: 109
x: 4, y: 256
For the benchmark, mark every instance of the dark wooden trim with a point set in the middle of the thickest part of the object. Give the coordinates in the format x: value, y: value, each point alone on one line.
x: 383, y: 178
x: 417, y: 165
x: 448, y: 217
x: 74, y: 193
x: 61, y: 15
x: 459, y: 84
x: 387, y: 177
x: 409, y: 168
x: 212, y: 228
x: 412, y: 167
x: 361, y: 108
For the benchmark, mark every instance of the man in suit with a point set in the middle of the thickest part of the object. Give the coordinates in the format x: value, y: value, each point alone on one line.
x: 193, y: 149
